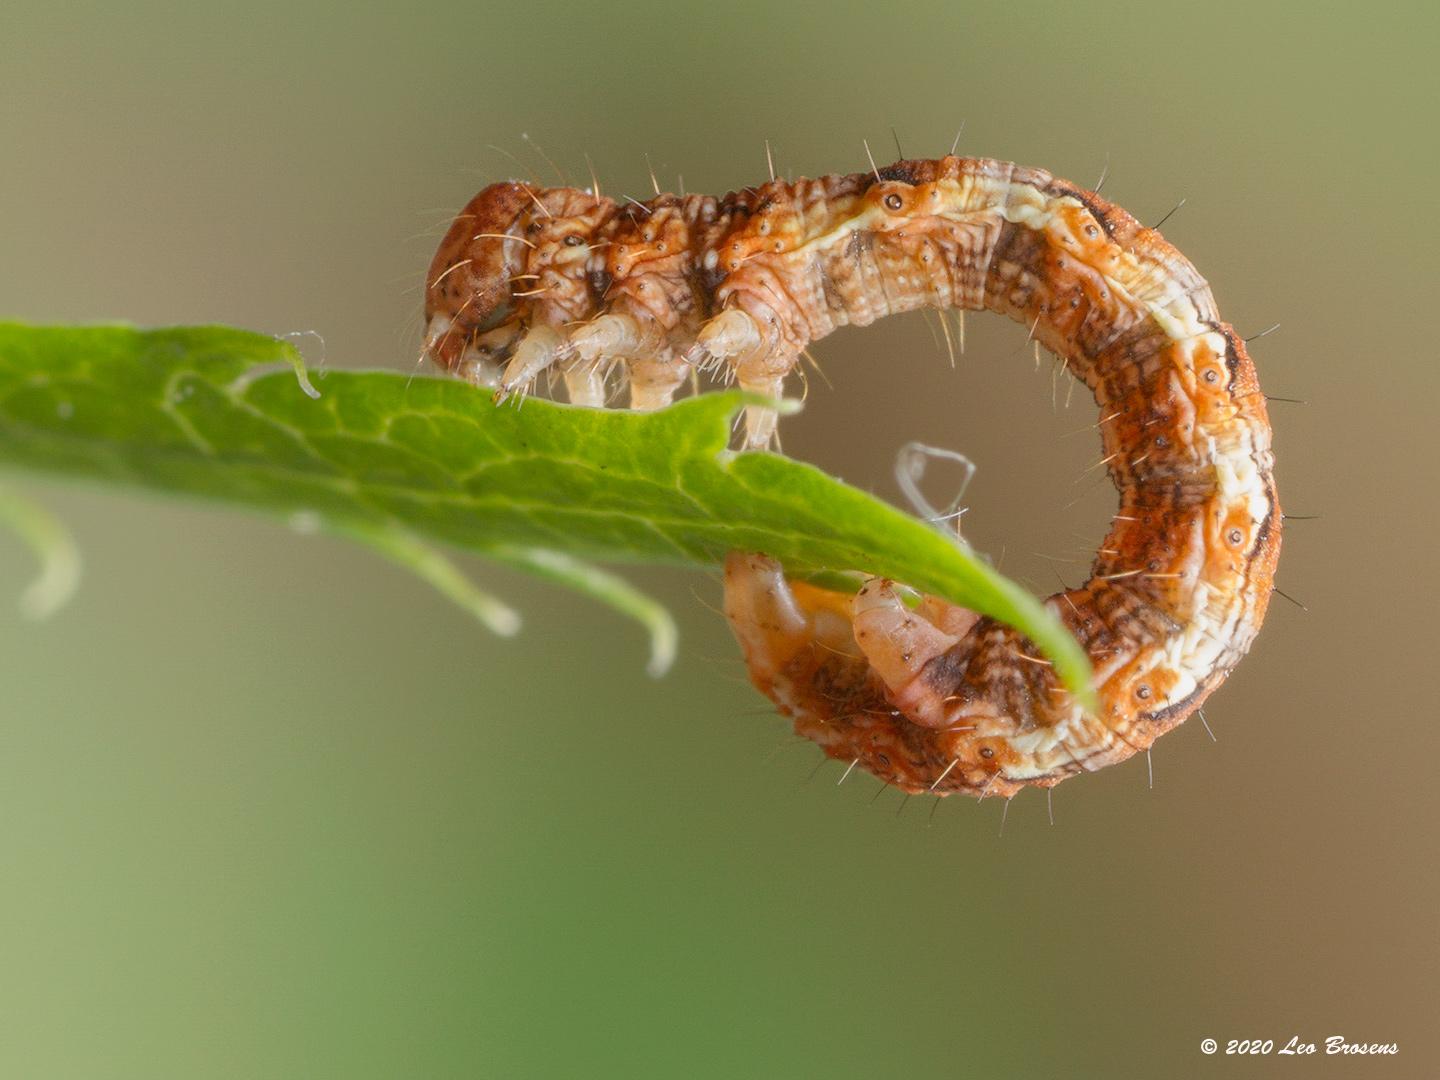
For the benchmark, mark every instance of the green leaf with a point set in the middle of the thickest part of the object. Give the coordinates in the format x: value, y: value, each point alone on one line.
x: 392, y: 460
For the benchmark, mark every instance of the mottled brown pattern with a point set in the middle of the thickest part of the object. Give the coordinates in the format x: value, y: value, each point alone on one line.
x: 531, y: 281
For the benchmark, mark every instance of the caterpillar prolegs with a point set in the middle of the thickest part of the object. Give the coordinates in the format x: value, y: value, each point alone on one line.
x: 929, y: 698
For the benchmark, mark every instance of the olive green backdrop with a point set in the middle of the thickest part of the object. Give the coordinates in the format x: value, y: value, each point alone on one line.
x: 268, y: 808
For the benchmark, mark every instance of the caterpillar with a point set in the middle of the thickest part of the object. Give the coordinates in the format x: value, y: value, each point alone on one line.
x: 929, y: 697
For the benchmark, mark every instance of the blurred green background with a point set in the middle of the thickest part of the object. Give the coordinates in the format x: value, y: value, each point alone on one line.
x: 268, y: 808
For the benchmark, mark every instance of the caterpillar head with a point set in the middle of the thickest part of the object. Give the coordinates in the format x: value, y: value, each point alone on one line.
x: 513, y: 256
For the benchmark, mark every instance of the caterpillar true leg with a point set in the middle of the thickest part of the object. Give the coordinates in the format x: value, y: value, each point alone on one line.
x: 436, y: 327
x: 654, y: 380
x: 608, y: 337
x: 477, y: 368
x: 585, y: 380
x: 481, y: 361
x: 538, y: 349
x: 635, y: 342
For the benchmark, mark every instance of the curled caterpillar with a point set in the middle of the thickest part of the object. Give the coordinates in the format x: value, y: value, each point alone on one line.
x: 930, y: 697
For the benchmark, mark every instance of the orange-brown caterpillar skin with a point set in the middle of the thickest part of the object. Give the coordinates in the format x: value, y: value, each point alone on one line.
x: 934, y: 698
